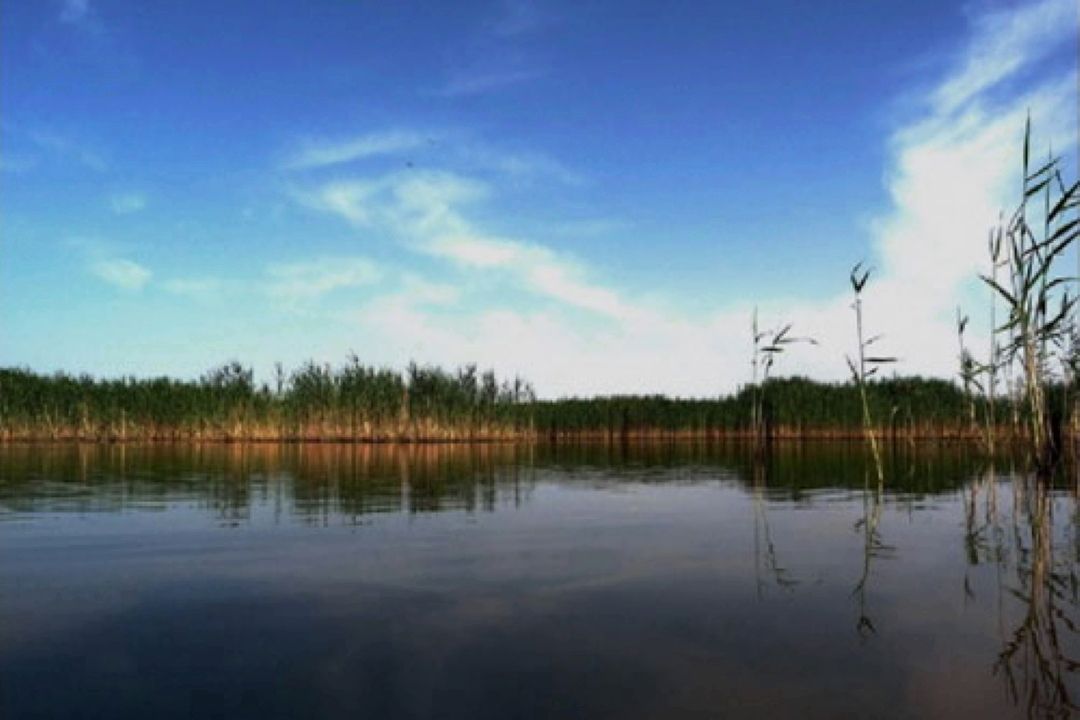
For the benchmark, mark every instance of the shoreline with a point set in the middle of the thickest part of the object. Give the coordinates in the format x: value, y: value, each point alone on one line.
x: 958, y: 435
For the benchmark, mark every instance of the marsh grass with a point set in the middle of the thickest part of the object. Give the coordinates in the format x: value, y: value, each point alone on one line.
x: 1040, y: 321
x: 359, y: 403
x: 315, y: 402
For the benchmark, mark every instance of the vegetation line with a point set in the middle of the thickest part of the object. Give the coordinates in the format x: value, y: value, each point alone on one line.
x: 359, y: 403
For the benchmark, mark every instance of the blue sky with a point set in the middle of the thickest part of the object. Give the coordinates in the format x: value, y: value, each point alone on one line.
x: 592, y: 194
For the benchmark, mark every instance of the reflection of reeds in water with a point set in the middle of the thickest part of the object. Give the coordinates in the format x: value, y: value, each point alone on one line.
x: 310, y: 482
x: 765, y: 557
x: 314, y: 478
x: 1036, y: 576
x: 1033, y: 662
x: 874, y: 548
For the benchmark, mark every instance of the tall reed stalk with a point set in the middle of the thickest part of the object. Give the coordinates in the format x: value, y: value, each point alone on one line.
x: 993, y: 366
x: 968, y: 371
x: 864, y: 366
x: 768, y: 345
x: 1037, y: 298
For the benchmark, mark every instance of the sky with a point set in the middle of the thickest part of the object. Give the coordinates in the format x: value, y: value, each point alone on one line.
x: 594, y: 195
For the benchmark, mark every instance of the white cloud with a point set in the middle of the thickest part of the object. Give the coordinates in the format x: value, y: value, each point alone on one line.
x: 657, y: 352
x: 1003, y: 42
x: 540, y: 270
x: 325, y: 153
x: 122, y: 273
x: 348, y: 199
x: 309, y: 280
x: 408, y: 204
x: 127, y: 203
x: 479, y: 252
x: 425, y: 210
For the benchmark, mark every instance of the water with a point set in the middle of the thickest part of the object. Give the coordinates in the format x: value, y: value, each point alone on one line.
x: 515, y: 582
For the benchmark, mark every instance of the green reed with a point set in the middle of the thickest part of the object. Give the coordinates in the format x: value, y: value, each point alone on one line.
x: 362, y: 402
x: 1040, y: 322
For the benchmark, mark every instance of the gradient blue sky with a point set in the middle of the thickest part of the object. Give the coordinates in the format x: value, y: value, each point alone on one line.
x: 592, y: 194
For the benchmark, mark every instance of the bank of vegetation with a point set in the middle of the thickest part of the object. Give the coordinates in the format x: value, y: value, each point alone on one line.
x: 359, y: 403
x: 353, y: 402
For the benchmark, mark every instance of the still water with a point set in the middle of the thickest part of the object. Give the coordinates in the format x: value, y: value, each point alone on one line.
x: 641, y: 581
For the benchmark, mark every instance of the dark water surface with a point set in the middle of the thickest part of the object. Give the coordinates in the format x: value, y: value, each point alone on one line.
x: 656, y: 581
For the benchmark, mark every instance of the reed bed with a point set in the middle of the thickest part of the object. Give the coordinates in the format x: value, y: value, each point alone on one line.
x: 316, y: 402
x: 359, y: 403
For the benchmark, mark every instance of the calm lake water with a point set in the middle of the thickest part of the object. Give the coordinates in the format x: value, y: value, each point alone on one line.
x: 655, y: 581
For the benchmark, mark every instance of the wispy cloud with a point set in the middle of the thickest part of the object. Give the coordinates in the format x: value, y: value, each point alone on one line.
x: 73, y: 11
x: 496, y: 59
x: 64, y: 147
x: 201, y: 289
x: 82, y: 17
x: 464, y: 83
x: 519, y: 165
x: 348, y: 198
x: 422, y: 150
x: 127, y: 203
x: 121, y: 273
x: 324, y: 153
x: 1004, y: 42
x: 306, y: 281
x: 106, y: 261
x: 517, y: 17
x: 539, y: 269
x: 426, y: 210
